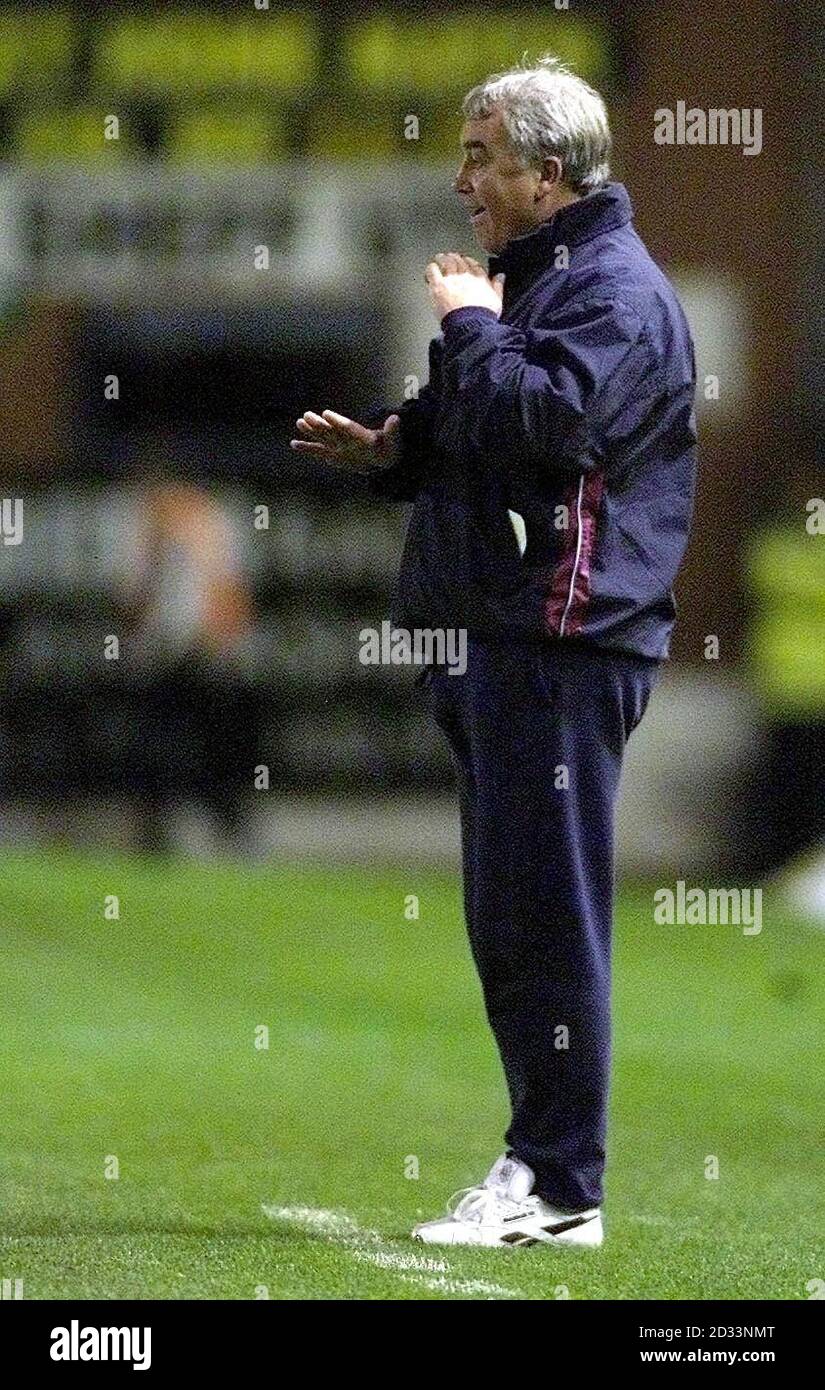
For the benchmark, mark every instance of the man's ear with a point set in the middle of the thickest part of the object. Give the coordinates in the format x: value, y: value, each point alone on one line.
x: 551, y: 176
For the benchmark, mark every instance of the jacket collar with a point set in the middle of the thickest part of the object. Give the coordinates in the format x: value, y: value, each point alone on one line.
x: 603, y: 211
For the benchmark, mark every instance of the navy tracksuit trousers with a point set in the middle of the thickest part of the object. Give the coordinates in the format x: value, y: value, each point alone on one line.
x: 537, y: 732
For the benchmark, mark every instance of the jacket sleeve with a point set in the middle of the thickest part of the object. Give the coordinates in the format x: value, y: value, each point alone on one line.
x: 545, y: 397
x: 401, y: 481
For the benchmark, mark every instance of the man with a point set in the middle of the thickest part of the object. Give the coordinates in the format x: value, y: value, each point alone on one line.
x: 561, y: 390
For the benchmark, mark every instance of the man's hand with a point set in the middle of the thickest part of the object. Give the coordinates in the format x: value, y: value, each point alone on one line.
x: 345, y: 444
x: 455, y: 282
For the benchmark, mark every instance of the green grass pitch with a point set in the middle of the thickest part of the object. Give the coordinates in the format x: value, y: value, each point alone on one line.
x: 134, y: 1040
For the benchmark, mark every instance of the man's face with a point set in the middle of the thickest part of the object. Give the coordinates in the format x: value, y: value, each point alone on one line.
x: 495, y: 187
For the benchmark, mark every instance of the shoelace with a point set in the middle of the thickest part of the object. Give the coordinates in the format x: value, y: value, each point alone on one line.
x: 485, y: 1205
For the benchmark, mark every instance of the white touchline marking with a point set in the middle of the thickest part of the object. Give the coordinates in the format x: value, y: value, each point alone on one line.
x: 421, y: 1270
x: 385, y: 1259
x: 469, y: 1286
x: 333, y: 1223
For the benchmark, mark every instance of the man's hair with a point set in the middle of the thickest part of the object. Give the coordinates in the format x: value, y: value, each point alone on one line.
x: 547, y: 110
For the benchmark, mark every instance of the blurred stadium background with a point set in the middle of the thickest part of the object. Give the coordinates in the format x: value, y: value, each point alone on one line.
x: 246, y: 241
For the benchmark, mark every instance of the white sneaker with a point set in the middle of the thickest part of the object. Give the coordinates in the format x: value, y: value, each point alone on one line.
x: 505, y: 1211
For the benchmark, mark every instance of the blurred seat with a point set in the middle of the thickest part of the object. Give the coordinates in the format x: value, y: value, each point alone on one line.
x: 74, y: 135
x: 336, y: 134
x: 187, y: 54
x: 450, y: 52
x: 390, y: 55
x: 582, y: 42
x: 376, y: 130
x: 215, y: 135
x: 36, y: 50
x: 786, y: 575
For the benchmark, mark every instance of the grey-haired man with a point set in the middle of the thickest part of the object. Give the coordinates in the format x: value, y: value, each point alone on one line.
x: 561, y: 390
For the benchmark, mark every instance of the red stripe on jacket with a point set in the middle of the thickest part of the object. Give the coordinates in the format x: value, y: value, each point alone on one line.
x: 567, y: 601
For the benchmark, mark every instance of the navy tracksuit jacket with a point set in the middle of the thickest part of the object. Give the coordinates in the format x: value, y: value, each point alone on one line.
x: 575, y: 409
